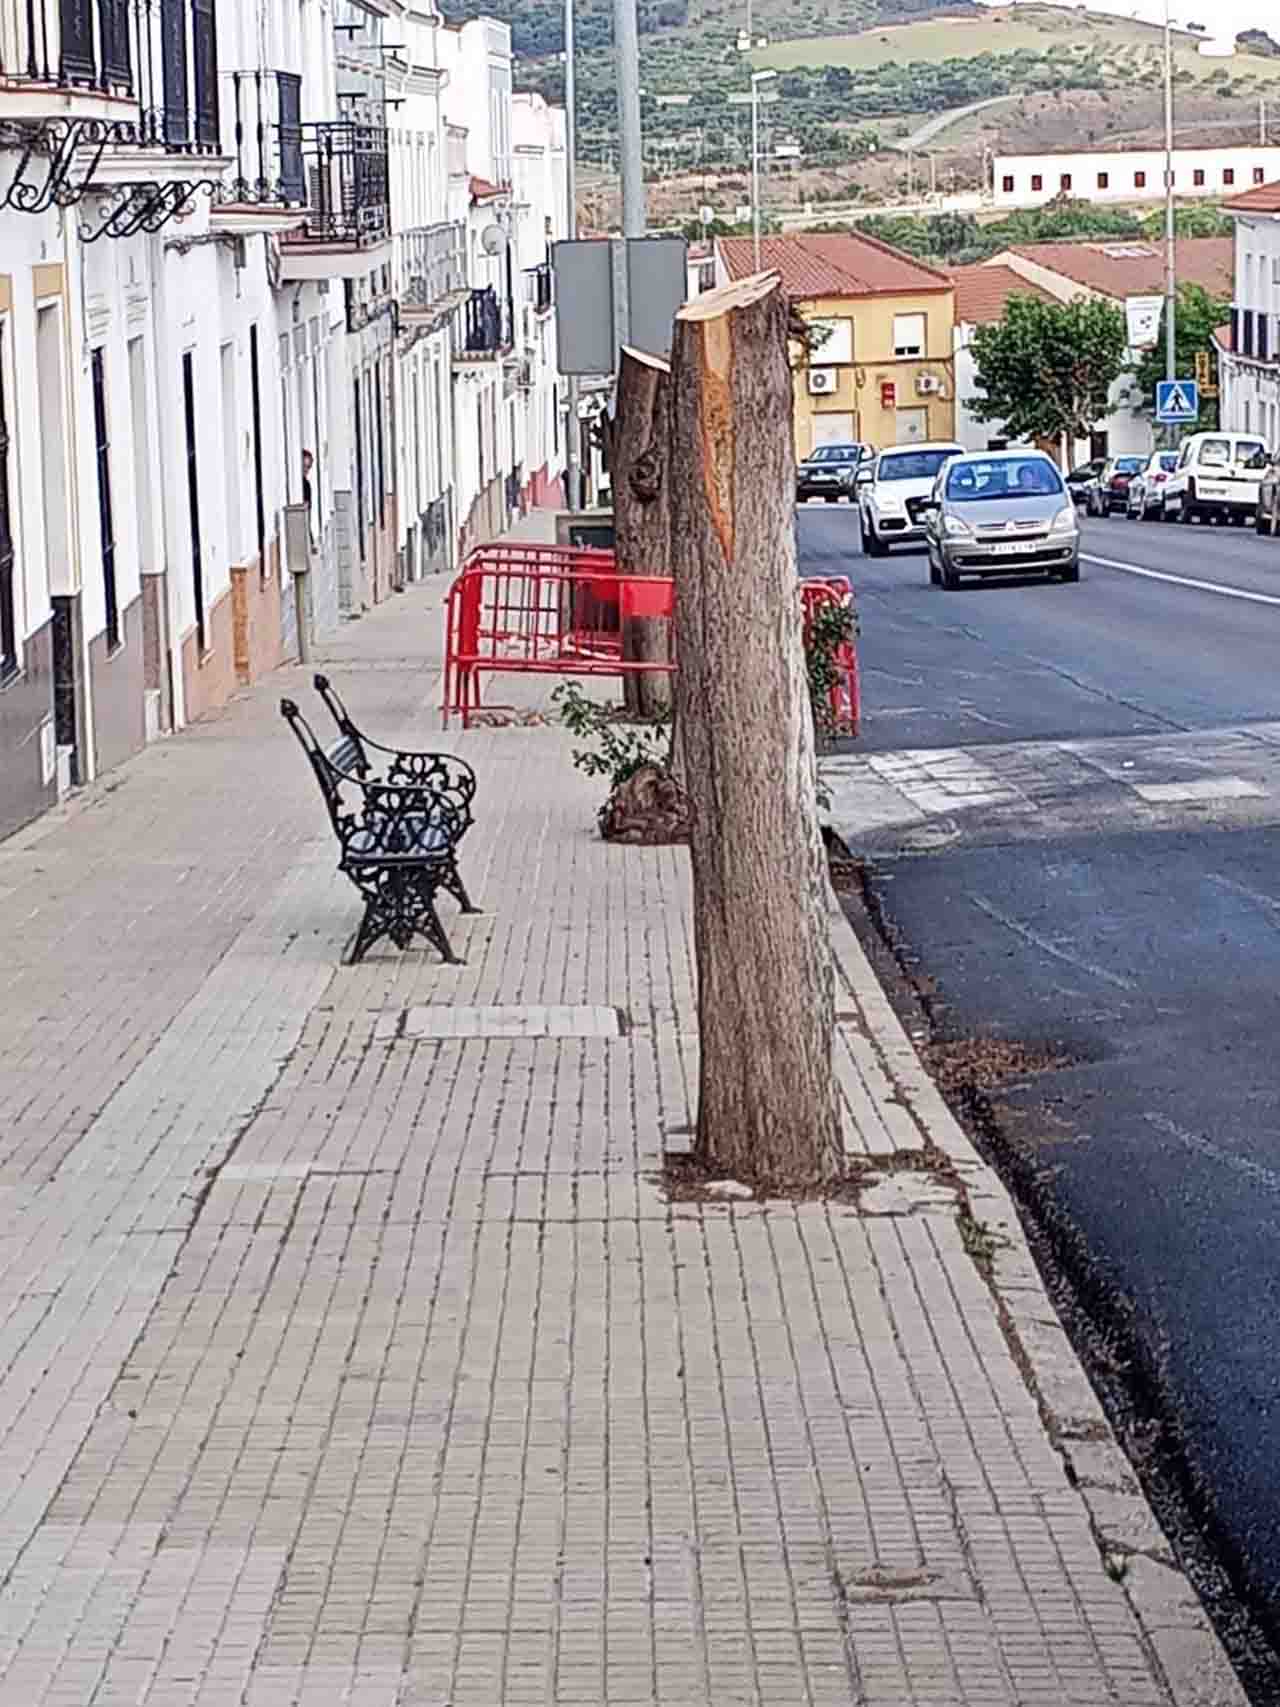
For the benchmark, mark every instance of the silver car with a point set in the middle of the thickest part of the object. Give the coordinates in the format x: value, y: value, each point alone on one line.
x: 1001, y: 513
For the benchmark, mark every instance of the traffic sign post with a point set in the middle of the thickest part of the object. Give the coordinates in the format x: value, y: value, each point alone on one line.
x: 1177, y: 402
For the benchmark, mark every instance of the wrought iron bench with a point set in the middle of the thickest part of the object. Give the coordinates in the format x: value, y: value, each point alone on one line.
x: 397, y: 838
x: 452, y: 777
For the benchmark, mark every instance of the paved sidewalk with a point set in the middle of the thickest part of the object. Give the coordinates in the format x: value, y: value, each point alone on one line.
x: 345, y: 1362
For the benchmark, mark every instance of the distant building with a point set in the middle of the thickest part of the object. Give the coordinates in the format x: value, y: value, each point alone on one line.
x: 1249, y: 347
x: 1129, y: 175
x: 982, y: 294
x: 883, y: 370
x: 1126, y: 272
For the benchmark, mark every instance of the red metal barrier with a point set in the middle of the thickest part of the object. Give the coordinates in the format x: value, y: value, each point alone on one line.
x: 846, y: 703
x: 544, y: 610
x: 562, y: 610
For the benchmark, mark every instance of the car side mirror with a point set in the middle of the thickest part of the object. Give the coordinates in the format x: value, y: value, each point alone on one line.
x: 866, y: 476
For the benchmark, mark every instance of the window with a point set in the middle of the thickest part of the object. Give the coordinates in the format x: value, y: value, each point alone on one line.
x: 908, y: 334
x: 1064, y: 182
x: 1006, y: 184
x: 1229, y: 176
x: 8, y: 613
x: 833, y: 342
x: 973, y: 480
x: 102, y: 457
x: 1259, y: 176
x: 1139, y: 180
x: 1197, y: 177
x: 193, y: 499
x: 1104, y: 180
x: 1037, y: 182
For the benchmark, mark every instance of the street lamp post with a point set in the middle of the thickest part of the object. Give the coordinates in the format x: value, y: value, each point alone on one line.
x: 757, y: 78
x: 573, y: 428
x: 1170, y: 245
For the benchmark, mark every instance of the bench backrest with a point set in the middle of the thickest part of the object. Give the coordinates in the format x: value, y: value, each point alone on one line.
x: 443, y: 773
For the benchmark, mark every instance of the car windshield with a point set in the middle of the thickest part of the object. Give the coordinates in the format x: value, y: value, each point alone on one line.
x: 1129, y: 464
x: 835, y: 453
x: 1168, y: 460
x: 976, y: 482
x: 913, y: 464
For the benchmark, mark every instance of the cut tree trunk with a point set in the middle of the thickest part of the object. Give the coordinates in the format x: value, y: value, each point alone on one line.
x: 767, y: 1109
x: 639, y: 450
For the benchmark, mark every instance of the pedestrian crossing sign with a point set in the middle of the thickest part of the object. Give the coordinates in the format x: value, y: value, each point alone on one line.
x: 1177, y: 402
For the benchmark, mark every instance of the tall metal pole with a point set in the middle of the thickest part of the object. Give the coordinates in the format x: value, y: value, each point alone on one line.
x: 573, y: 432
x: 1170, y: 245
x: 626, y: 47
x: 755, y: 169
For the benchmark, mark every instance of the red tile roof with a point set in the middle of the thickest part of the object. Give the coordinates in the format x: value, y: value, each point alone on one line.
x: 1132, y: 266
x: 832, y: 264
x: 982, y: 292
x: 1223, y: 339
x: 482, y: 189
x: 1265, y: 199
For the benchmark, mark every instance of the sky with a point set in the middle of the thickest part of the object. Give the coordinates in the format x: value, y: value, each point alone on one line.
x: 1220, y: 17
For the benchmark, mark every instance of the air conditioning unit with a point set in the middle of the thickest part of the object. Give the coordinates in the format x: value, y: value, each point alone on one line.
x: 822, y: 381
x: 928, y: 384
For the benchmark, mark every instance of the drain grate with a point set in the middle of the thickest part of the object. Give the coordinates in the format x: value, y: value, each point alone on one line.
x: 443, y: 1021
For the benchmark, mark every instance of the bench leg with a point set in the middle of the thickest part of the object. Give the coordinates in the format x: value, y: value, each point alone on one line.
x: 452, y: 882
x: 400, y: 905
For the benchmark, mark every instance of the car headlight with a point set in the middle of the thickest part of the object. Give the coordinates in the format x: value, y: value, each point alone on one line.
x: 1064, y: 522
x: 954, y: 528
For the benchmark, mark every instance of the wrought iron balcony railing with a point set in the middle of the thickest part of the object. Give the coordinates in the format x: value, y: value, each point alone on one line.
x: 539, y: 287
x: 433, y: 263
x: 488, y: 323
x: 264, y: 116
x: 161, y: 56
x: 345, y: 171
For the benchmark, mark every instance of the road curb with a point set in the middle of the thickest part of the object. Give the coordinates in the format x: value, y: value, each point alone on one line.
x: 1133, y: 1548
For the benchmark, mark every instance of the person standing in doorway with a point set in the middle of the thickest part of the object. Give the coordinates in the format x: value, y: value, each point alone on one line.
x: 308, y: 463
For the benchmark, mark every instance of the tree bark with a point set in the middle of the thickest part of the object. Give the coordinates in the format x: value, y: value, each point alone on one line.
x: 639, y: 450
x: 767, y: 1107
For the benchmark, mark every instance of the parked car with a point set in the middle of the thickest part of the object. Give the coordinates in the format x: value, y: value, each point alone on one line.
x: 1267, y: 516
x: 1081, y: 479
x: 1145, y: 499
x: 893, y: 490
x: 1218, y: 478
x: 829, y: 470
x: 1110, y: 492
x: 1001, y: 512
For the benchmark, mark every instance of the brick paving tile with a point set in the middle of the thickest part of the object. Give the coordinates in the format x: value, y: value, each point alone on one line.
x: 354, y: 1359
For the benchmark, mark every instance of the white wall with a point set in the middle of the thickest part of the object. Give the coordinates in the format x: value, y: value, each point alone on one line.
x: 1251, y: 386
x: 1225, y: 171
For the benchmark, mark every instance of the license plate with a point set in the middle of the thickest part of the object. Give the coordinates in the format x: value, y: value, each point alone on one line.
x: 1012, y: 550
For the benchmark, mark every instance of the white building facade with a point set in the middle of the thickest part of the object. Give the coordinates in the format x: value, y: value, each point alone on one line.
x: 1249, y: 350
x: 1128, y: 175
x: 235, y: 308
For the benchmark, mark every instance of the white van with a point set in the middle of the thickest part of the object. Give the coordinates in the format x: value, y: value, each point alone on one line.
x: 1217, y: 478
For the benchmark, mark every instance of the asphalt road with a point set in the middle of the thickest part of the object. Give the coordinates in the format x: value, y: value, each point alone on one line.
x: 1070, y: 796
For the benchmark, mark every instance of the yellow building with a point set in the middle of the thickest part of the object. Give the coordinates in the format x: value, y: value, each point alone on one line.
x: 883, y: 368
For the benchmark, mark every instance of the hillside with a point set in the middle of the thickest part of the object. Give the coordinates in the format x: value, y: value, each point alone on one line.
x: 853, y: 80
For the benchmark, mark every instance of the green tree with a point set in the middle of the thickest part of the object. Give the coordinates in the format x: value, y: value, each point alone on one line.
x: 1198, y: 316
x: 1047, y: 368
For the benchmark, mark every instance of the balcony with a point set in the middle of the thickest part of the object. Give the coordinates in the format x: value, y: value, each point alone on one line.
x: 146, y: 70
x: 266, y: 189
x: 487, y: 330
x: 433, y: 269
x: 345, y: 226
x: 538, y: 286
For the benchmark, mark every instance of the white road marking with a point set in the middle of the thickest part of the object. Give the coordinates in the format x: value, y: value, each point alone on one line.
x: 1183, y: 580
x: 1203, y: 788
x: 1050, y: 948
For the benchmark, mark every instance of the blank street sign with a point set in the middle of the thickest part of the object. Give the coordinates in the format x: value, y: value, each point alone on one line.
x: 589, y: 325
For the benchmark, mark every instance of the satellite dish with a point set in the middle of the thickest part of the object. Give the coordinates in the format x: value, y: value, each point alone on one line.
x: 493, y: 239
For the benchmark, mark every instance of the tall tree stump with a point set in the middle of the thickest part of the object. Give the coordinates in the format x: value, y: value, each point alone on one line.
x: 639, y: 447
x: 767, y: 1108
